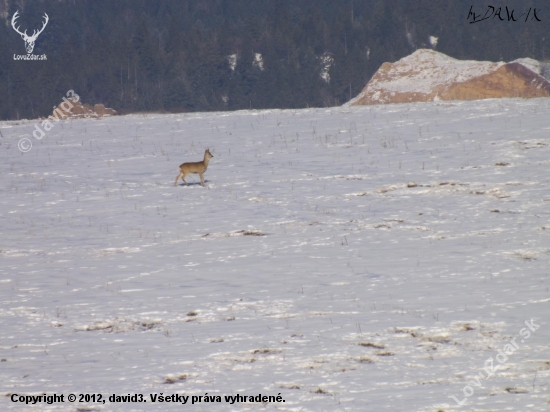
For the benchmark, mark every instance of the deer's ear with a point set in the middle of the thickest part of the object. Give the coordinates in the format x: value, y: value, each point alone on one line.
x: 23, y: 36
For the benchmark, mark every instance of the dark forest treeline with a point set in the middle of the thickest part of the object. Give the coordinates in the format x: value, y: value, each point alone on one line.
x: 172, y: 55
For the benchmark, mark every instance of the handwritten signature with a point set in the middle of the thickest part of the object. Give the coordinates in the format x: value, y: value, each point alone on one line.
x: 492, y: 12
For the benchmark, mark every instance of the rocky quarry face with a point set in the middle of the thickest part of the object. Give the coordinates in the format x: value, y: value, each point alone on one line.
x: 427, y: 75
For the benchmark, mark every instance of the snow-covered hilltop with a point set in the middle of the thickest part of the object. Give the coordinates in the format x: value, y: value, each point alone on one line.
x: 428, y: 75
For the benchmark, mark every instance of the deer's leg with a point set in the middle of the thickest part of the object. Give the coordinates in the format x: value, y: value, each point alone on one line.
x: 177, y: 178
x: 202, y: 179
x: 183, y: 178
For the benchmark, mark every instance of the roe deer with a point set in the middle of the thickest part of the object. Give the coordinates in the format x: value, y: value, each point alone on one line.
x: 194, y: 167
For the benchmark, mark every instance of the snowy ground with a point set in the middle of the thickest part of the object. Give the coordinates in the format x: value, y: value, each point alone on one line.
x: 350, y: 259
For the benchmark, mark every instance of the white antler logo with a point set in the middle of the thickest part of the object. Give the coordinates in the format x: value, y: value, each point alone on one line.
x: 29, y: 40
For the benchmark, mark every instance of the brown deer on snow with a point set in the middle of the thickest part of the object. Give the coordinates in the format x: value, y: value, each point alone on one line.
x: 194, y: 167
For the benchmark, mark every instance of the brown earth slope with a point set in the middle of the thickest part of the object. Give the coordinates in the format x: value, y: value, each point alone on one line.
x: 428, y: 75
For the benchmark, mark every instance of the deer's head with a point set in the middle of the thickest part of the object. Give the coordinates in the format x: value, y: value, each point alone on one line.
x: 29, y: 40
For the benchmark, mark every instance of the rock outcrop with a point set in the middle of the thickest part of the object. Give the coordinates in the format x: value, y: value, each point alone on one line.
x: 428, y: 75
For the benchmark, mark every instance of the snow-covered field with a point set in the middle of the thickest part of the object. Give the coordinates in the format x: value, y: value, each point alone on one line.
x: 350, y: 259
